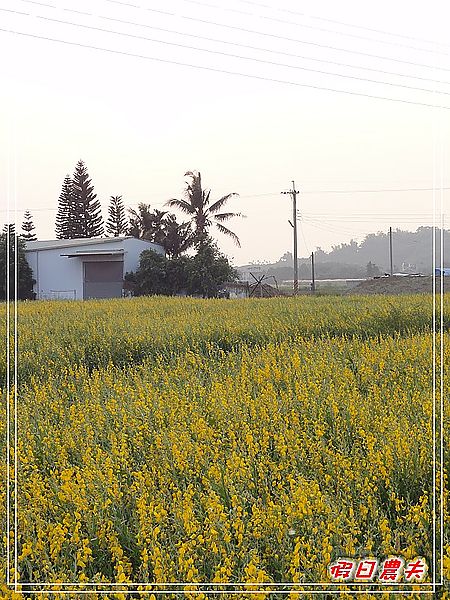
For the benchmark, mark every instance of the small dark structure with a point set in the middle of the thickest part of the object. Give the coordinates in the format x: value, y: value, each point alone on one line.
x: 261, y: 289
x: 234, y: 289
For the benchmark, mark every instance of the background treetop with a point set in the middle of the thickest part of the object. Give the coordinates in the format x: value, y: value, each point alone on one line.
x: 204, y: 214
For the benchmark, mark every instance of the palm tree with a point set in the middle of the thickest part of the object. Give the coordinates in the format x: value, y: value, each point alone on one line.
x: 140, y: 220
x: 178, y: 237
x: 203, y: 214
x: 159, y: 224
x: 162, y: 228
x: 147, y: 224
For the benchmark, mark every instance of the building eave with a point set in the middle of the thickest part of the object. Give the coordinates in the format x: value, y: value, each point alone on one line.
x: 61, y: 244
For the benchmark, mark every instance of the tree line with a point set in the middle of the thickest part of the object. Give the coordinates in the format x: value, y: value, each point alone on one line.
x: 79, y: 215
x: 9, y: 245
x: 412, y: 253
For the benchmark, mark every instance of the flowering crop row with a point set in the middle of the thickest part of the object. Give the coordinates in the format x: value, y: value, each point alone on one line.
x: 53, y: 335
x: 249, y: 444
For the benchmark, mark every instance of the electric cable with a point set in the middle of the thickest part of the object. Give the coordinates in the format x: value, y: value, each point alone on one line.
x: 346, y: 24
x: 239, y: 45
x: 238, y: 56
x: 224, y: 71
x: 333, y: 31
x: 284, y: 38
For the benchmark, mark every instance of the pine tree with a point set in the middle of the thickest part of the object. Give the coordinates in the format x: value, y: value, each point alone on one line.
x: 65, y: 217
x: 11, y: 228
x: 88, y: 216
x: 117, y: 222
x: 9, y: 244
x: 28, y: 228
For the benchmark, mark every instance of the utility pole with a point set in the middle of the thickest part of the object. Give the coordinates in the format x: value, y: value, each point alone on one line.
x: 293, y: 192
x: 313, y: 280
x: 390, y: 250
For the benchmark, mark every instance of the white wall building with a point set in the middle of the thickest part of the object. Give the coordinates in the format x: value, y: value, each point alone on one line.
x: 84, y: 268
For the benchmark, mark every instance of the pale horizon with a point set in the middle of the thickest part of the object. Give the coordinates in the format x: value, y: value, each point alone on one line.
x: 140, y: 124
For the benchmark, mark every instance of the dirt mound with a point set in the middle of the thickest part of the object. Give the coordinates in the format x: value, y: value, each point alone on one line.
x: 399, y: 285
x: 265, y: 291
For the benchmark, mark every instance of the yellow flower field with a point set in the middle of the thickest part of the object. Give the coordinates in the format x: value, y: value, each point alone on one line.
x: 247, y: 442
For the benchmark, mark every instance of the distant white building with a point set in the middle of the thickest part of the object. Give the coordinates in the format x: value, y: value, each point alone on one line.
x: 245, y: 272
x: 84, y: 268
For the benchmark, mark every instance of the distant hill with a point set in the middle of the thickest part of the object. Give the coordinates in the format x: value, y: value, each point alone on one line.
x: 398, y: 285
x: 412, y: 252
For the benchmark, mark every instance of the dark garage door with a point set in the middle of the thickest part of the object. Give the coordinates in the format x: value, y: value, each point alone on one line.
x: 103, y: 279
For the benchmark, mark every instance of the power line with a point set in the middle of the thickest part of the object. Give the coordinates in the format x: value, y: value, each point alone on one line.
x: 41, y: 3
x: 284, y: 38
x: 55, y: 209
x: 216, y: 70
x: 339, y: 230
x: 368, y: 219
x: 374, y: 190
x: 238, y: 56
x: 311, y: 214
x: 343, y: 33
x: 230, y: 43
x: 349, y: 225
x: 303, y: 215
x: 366, y: 191
x: 346, y: 24
x: 303, y: 237
x: 334, y: 31
x: 16, y: 12
x: 349, y: 216
x: 161, y: 12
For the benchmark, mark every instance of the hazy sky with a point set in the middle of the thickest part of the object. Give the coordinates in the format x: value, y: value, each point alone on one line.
x: 140, y: 123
